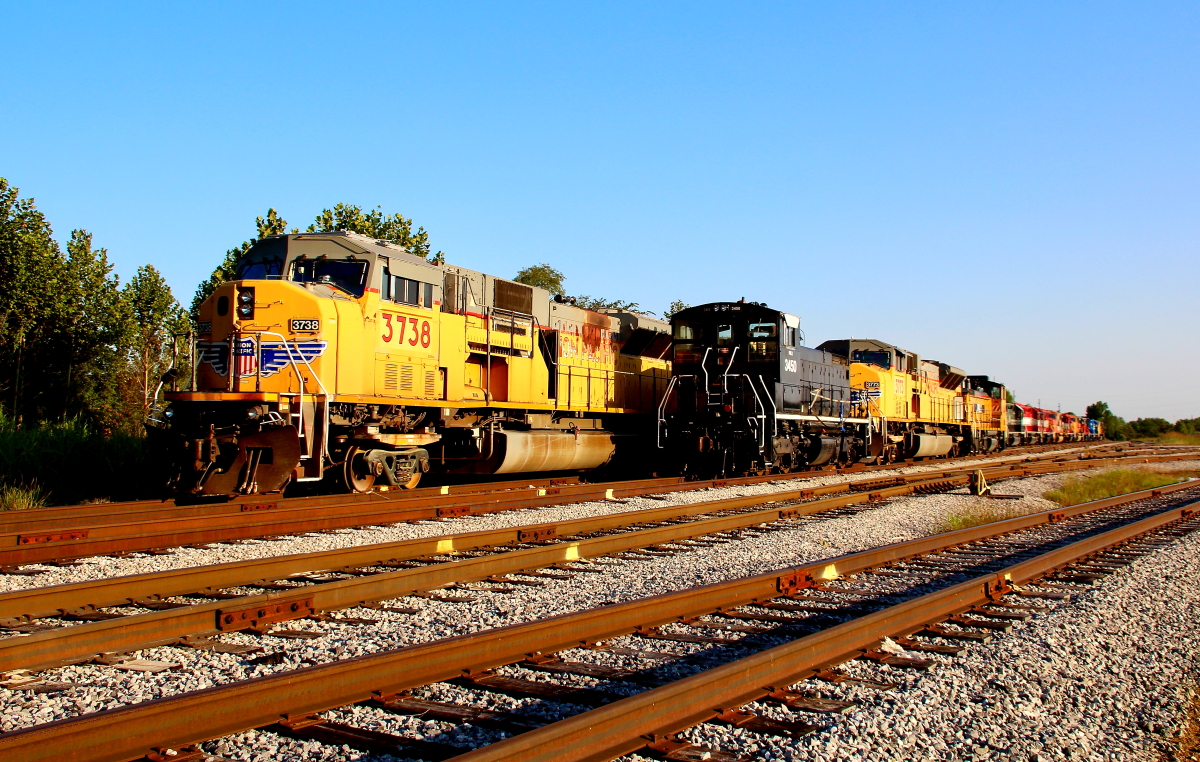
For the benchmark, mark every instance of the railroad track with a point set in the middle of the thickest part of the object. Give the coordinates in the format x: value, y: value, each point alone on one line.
x: 116, y: 615
x: 56, y: 535
x: 167, y: 508
x: 981, y: 578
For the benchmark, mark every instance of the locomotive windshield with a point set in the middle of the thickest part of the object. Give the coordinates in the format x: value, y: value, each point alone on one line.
x: 764, y: 342
x: 738, y: 340
x: 689, y: 346
x: 350, y: 275
x: 882, y: 359
x: 264, y: 260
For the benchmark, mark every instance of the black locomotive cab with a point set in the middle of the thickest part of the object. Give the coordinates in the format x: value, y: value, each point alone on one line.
x: 748, y: 398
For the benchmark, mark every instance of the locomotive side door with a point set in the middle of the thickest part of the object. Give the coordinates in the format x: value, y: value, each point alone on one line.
x: 793, y: 390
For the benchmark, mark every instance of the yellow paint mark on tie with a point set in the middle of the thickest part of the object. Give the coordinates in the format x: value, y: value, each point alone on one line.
x: 445, y: 546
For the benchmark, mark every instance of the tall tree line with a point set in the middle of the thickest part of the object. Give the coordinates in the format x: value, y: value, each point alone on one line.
x: 76, y: 344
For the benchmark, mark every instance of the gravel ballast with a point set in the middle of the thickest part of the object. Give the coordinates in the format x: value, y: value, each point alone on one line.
x: 104, y: 687
x: 102, y: 567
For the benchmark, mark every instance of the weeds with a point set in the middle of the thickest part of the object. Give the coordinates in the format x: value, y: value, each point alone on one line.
x: 68, y: 463
x: 1119, y: 481
x: 975, y: 515
x: 15, y: 497
x: 1175, y: 438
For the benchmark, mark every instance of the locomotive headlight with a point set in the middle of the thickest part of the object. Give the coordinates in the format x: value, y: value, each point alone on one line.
x: 245, y: 302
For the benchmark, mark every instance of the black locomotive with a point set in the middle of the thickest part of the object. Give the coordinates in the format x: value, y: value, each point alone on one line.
x: 746, y: 398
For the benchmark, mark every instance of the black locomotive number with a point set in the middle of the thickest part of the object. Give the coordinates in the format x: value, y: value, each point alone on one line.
x: 305, y: 325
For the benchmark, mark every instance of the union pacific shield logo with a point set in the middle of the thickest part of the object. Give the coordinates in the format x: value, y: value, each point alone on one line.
x: 245, y: 355
x: 276, y: 355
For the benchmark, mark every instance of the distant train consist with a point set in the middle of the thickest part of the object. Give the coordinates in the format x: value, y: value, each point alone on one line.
x: 339, y: 358
x: 745, y: 397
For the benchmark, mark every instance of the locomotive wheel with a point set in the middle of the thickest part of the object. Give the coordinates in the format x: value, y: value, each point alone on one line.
x: 414, y: 481
x: 356, y: 473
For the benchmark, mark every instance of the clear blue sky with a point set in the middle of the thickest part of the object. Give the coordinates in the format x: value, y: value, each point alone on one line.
x: 1009, y: 187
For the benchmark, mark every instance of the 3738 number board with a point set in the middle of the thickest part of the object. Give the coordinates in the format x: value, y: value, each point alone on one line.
x: 406, y: 330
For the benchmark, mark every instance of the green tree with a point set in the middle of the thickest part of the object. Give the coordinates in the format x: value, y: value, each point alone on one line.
x: 395, y: 228
x: 155, y: 317
x: 60, y: 320
x: 542, y: 276
x: 1115, y: 427
x: 675, y: 306
x: 1188, y: 426
x: 597, y: 303
x: 28, y: 255
x: 92, y: 324
x: 1145, y: 428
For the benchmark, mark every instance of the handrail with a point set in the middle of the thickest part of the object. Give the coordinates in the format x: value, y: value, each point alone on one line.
x: 662, y: 410
x: 300, y: 376
x: 729, y: 367
x: 762, y: 429
x: 774, y: 410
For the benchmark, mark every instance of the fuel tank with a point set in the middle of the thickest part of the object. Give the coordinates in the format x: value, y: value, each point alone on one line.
x: 553, y: 450
x: 930, y: 445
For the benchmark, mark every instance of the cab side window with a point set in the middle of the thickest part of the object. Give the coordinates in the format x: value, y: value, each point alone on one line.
x: 406, y: 290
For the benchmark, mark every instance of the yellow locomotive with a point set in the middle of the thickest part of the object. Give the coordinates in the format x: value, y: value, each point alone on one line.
x: 924, y: 408
x: 334, y: 354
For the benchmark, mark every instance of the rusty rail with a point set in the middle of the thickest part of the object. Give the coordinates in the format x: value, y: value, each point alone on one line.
x: 39, y: 542
x: 56, y: 517
x: 625, y: 726
x: 89, y: 640
x: 49, y: 601
x: 447, y: 494
x: 138, y: 730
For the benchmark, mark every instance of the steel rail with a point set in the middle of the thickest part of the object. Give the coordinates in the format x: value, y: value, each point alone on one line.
x: 627, y: 725
x: 135, y: 731
x: 35, y: 602
x: 211, y: 506
x: 57, y: 542
x: 134, y: 632
x: 56, y: 518
x: 90, y: 640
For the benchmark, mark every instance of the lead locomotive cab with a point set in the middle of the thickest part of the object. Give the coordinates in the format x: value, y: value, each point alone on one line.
x: 749, y: 399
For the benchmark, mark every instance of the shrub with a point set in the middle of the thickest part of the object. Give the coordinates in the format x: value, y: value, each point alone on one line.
x: 67, y: 463
x: 1121, y: 481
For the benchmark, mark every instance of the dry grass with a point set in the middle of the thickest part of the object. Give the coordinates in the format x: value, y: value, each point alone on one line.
x: 1175, y: 438
x: 1184, y: 744
x: 18, y: 498
x: 983, y: 513
x: 1120, y: 481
